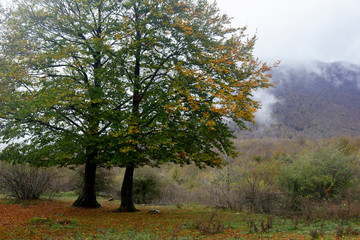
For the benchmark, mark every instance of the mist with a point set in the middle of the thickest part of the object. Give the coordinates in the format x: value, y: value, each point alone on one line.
x: 264, y: 115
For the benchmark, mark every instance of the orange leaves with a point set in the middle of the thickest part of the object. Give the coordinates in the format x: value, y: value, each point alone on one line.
x: 184, y: 26
x: 59, y: 220
x: 227, y: 73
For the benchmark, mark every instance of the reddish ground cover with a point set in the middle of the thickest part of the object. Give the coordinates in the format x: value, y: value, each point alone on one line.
x: 45, y: 219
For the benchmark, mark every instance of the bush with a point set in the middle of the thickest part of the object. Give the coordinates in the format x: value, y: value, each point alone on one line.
x: 320, y: 173
x: 146, y: 188
x: 104, y: 184
x: 211, y: 226
x: 219, y: 185
x: 248, y: 185
x: 256, y: 185
x: 24, y: 182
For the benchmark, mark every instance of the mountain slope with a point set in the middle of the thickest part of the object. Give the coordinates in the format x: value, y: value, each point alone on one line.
x: 315, y: 100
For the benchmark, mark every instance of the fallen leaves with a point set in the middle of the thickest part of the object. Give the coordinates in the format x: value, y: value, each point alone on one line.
x: 43, y: 219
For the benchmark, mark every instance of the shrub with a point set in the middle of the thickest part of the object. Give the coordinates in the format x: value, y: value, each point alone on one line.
x: 24, y: 182
x: 211, y: 226
x: 256, y: 188
x: 320, y: 173
x: 220, y: 186
x: 146, y: 188
x: 248, y: 185
x: 104, y: 181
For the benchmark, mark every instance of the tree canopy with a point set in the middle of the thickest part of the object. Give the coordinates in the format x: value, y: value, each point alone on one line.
x: 124, y: 83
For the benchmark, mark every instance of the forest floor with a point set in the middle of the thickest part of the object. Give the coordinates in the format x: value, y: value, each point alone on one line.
x: 57, y: 219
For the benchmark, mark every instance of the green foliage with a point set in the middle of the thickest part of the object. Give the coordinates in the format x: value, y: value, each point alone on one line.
x: 125, y: 82
x: 325, y: 171
x: 129, y: 234
x: 146, y: 187
x: 347, y: 145
x: 39, y: 220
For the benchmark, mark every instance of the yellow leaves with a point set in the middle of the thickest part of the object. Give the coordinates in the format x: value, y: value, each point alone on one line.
x: 95, y: 101
x: 115, y: 134
x: 184, y: 26
x: 133, y: 130
x: 211, y: 124
x: 132, y: 141
x: 219, y: 109
x: 127, y: 149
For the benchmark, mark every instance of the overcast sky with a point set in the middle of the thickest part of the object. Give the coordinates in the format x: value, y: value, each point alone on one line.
x: 326, y: 30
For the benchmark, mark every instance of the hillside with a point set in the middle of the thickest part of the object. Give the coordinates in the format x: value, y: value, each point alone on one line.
x: 314, y: 100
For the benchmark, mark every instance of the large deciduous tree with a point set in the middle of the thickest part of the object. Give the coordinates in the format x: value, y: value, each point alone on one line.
x: 59, y: 83
x: 125, y: 83
x: 188, y: 72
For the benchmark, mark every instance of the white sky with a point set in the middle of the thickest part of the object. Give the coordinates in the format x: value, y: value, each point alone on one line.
x: 326, y: 30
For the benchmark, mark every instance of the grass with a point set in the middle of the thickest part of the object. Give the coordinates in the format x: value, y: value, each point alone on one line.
x: 57, y: 219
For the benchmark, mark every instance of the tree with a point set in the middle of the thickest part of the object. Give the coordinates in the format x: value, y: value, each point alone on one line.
x: 188, y: 71
x: 126, y: 83
x: 59, y: 83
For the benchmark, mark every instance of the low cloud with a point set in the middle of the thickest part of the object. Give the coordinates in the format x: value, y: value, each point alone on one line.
x: 264, y: 115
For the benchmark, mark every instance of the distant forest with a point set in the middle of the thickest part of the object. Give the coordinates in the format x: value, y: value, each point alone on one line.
x: 318, y: 100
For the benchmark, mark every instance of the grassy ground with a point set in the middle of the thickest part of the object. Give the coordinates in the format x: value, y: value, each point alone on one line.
x: 57, y: 219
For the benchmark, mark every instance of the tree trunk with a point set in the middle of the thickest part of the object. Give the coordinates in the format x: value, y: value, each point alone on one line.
x: 127, y: 203
x: 87, y: 198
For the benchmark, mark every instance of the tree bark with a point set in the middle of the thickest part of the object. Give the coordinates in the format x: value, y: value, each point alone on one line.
x: 127, y: 203
x: 87, y: 198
